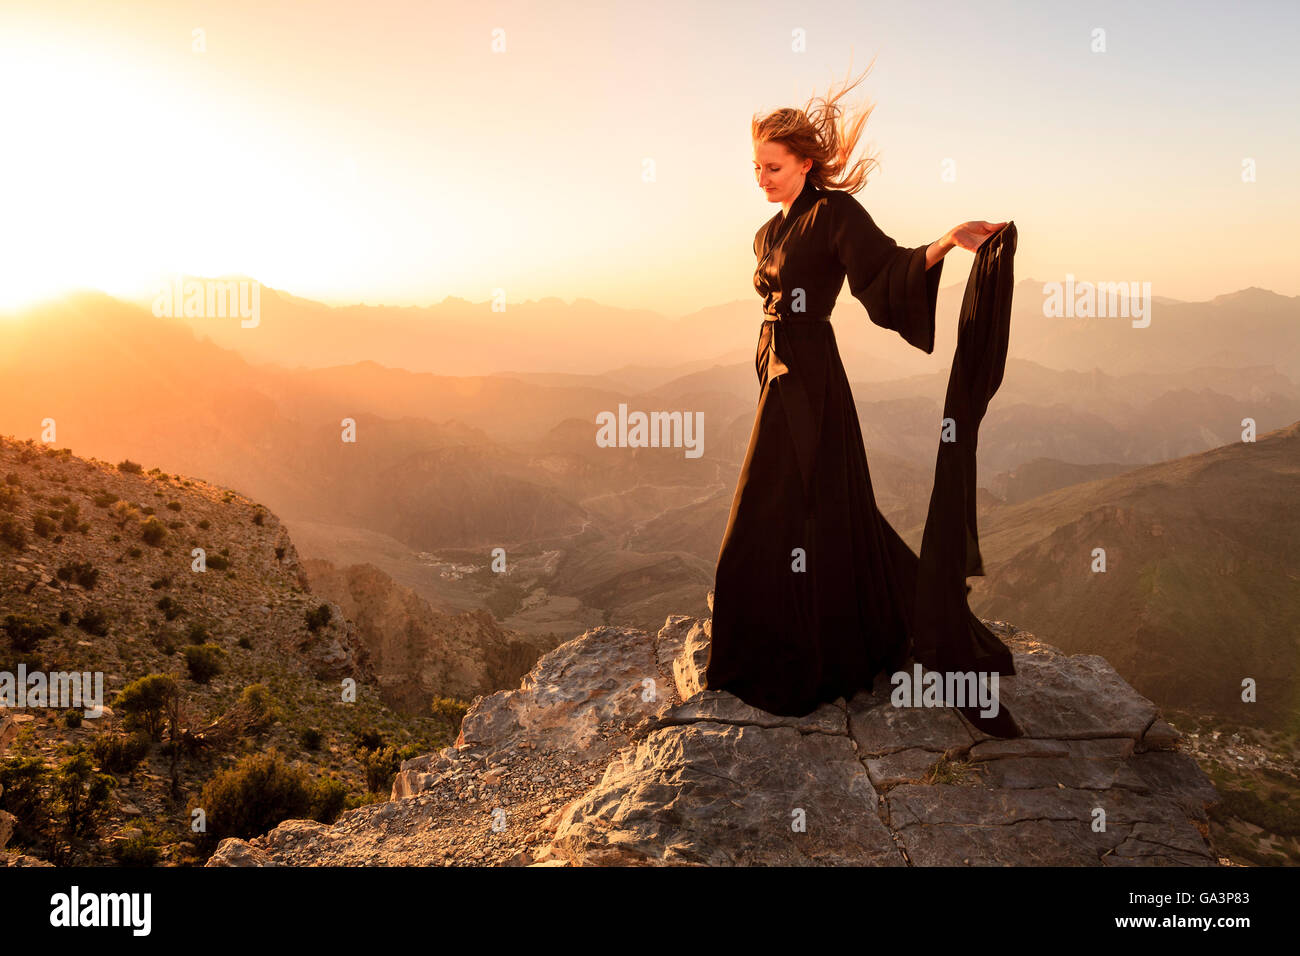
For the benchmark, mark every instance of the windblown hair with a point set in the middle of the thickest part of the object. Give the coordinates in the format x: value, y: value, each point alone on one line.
x: 824, y: 135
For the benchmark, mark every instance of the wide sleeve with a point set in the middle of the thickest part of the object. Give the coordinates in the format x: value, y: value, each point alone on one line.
x: 892, y: 281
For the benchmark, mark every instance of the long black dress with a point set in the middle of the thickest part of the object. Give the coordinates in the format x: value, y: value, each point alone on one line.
x: 814, y: 592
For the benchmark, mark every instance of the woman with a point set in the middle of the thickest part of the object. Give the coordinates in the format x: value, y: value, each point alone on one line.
x: 814, y: 591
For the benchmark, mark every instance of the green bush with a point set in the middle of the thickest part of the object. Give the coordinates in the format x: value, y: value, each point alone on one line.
x: 204, y: 661
x: 23, y: 781
x: 94, y: 621
x: 136, y: 851
x: 153, y: 532
x: 12, y: 534
x: 82, y: 573
x: 259, y: 707
x: 81, y: 794
x: 260, y: 792
x: 44, y: 526
x: 72, y: 719
x: 120, y: 753
x: 144, y: 702
x: 129, y: 466
x: 329, y: 799
x: 449, y: 709
x: 25, y: 632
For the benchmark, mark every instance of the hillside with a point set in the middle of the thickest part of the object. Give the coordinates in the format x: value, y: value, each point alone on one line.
x: 1201, y: 587
x: 97, y: 574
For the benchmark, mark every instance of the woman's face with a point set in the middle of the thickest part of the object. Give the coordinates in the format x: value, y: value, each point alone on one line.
x: 780, y: 175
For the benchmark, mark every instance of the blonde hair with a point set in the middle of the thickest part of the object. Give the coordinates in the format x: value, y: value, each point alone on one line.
x: 823, y: 135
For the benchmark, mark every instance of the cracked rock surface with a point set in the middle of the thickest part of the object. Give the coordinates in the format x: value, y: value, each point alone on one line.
x: 610, y: 754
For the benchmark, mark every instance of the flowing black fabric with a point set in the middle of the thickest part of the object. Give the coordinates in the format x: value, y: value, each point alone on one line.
x: 814, y: 592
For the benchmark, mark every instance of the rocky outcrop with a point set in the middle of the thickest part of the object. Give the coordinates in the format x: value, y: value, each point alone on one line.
x: 417, y: 651
x: 609, y: 753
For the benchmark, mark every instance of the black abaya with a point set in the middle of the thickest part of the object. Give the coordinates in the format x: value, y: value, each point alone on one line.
x: 814, y: 591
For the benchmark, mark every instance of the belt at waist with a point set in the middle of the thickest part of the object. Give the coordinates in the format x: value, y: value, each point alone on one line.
x: 796, y: 318
x: 768, y: 360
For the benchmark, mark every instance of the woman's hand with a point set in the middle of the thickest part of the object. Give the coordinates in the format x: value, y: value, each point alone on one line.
x: 971, y: 235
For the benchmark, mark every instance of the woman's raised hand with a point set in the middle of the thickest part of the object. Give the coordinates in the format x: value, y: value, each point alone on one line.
x: 970, y: 235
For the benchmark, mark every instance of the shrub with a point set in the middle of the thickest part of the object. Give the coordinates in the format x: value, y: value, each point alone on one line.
x: 44, y: 526
x: 318, y: 617
x: 329, y: 799
x: 120, y: 753
x: 25, y: 632
x: 135, y: 851
x: 449, y: 709
x: 72, y: 719
x: 12, y: 534
x: 173, y: 506
x: 259, y: 517
x: 205, y: 524
x: 81, y: 794
x: 94, y: 621
x: 245, y: 643
x: 381, y: 766
x: 203, y: 661
x: 124, y: 513
x: 23, y: 780
x: 127, y: 465
x: 218, y: 562
x: 171, y: 608
x: 81, y: 573
x: 144, y: 702
x: 153, y: 531
x: 103, y: 499
x: 258, y: 793
x: 310, y: 739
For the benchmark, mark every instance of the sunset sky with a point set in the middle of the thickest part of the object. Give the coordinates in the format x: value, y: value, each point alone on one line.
x: 382, y: 152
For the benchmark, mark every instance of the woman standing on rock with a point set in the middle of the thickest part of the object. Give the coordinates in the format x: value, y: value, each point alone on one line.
x: 814, y: 592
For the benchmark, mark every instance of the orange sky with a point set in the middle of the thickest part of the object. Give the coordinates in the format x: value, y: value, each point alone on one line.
x: 382, y: 152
